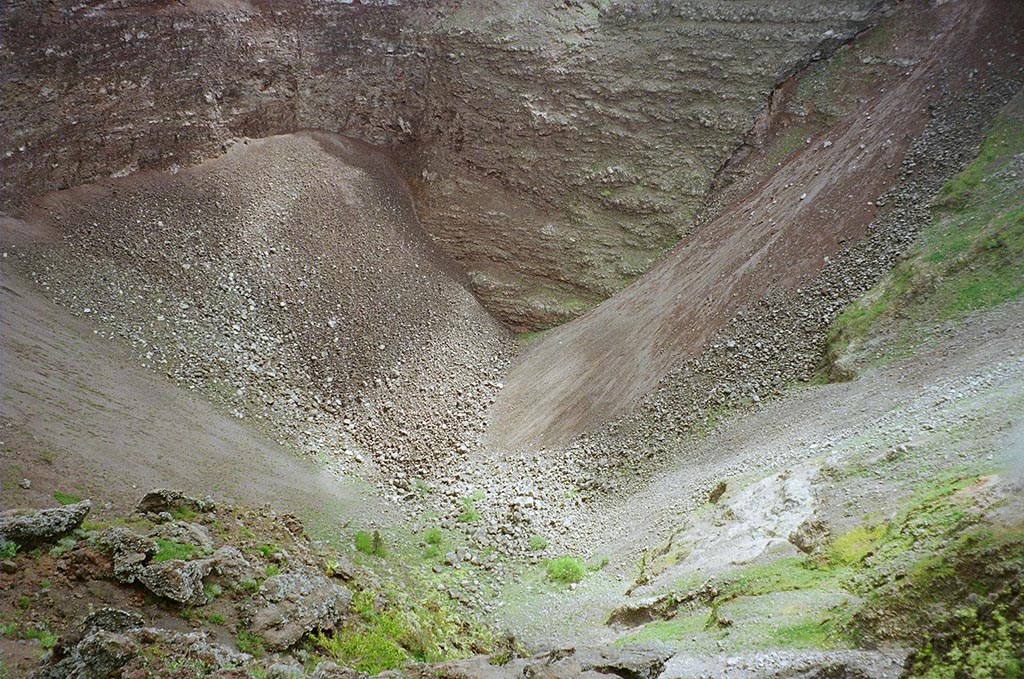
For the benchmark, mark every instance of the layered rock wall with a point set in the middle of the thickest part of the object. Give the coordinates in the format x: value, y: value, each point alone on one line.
x: 556, y: 148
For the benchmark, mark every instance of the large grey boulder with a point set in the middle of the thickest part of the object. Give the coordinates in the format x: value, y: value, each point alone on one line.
x: 28, y: 528
x: 291, y: 604
x: 178, y: 580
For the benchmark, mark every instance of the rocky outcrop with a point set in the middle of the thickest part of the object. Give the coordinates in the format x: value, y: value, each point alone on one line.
x: 291, y: 604
x: 557, y: 148
x: 29, y: 528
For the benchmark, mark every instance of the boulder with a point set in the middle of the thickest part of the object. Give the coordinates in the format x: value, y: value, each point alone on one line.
x: 164, y: 500
x: 291, y: 604
x: 178, y: 580
x: 130, y: 552
x: 30, y: 528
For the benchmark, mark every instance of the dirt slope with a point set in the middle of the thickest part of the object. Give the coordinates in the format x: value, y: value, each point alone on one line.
x: 774, y: 239
x: 80, y: 417
x: 290, y: 281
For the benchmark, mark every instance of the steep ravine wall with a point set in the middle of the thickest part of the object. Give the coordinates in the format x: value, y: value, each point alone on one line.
x: 556, y: 148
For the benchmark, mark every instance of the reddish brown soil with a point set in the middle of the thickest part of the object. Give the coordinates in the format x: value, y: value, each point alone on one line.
x: 817, y: 204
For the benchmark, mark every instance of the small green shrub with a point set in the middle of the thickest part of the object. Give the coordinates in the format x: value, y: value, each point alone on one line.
x: 66, y: 498
x: 371, y: 544
x: 565, y: 569
x: 469, y: 513
x: 169, y: 549
x: 272, y: 570
x: 538, y: 542
x: 434, y: 536
x: 24, y: 602
x: 8, y: 549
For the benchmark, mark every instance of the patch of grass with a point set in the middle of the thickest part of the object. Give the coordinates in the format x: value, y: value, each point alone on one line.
x: 781, y: 575
x: 851, y: 547
x: 24, y: 602
x: 65, y: 544
x: 813, y: 633
x: 394, y: 626
x: 371, y: 650
x: 47, y: 639
x: 9, y: 629
x: 216, y: 618
x: 66, y: 498
x: 183, y: 513
x: 564, y: 569
x: 169, y: 549
x: 267, y: 550
x: 435, y: 540
x: 682, y: 626
x: 212, y: 590
x: 970, y: 257
x: 538, y: 543
x: 272, y: 570
x: 368, y: 543
x: 250, y: 643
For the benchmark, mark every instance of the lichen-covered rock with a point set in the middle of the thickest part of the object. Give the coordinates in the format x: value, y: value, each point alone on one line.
x: 164, y: 500
x: 230, y: 564
x: 111, y: 620
x: 291, y: 604
x: 178, y: 580
x: 331, y: 670
x: 28, y: 528
x: 184, y: 532
x: 105, y: 653
x: 810, y: 536
x: 130, y: 552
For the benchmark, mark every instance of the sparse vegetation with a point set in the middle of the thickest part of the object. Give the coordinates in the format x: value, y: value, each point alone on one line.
x: 250, y: 643
x: 538, y: 543
x: 8, y: 549
x: 469, y: 513
x: 970, y: 257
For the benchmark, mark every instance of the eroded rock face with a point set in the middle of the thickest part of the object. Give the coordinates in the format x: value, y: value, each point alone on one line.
x: 28, y: 528
x: 557, y: 148
x: 291, y: 604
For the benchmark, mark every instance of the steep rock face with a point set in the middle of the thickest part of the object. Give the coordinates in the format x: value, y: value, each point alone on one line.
x: 559, y: 148
x: 823, y: 222
x: 99, y: 88
x: 566, y: 145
